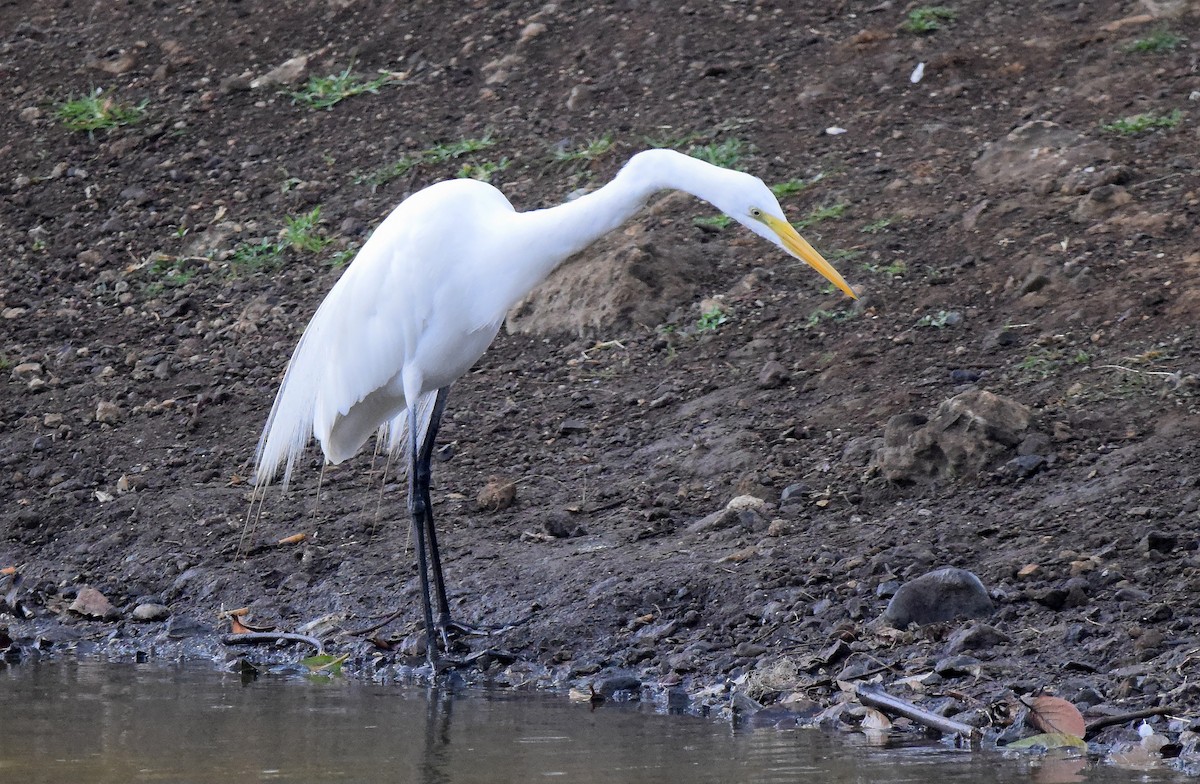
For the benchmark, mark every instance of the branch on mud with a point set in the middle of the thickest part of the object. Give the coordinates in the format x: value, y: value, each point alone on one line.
x: 254, y: 638
x: 877, y: 698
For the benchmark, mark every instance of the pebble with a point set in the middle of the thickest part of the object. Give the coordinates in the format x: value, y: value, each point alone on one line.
x: 498, y: 494
x: 975, y: 637
x: 773, y: 375
x: 90, y: 603
x: 946, y: 594
x: 108, y: 412
x: 1157, y: 541
x: 955, y: 666
x: 287, y: 72
x: 622, y: 682
x: 580, y: 97
x: 150, y: 611
x: 531, y: 31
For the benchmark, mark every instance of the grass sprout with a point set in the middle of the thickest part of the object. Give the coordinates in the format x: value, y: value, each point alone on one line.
x: 928, y: 19
x: 325, y: 92
x: 99, y: 111
x: 1140, y: 123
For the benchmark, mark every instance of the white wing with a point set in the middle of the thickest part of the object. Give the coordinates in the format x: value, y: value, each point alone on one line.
x: 399, y: 318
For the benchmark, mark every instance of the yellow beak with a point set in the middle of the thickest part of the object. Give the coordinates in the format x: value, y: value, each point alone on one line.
x: 799, y: 247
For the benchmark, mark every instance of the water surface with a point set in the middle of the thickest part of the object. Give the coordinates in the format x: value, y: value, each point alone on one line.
x: 92, y: 722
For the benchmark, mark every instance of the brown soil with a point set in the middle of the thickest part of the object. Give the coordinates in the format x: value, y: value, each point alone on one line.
x: 141, y: 352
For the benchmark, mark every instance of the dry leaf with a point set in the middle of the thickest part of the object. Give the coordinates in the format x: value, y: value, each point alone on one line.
x: 1055, y: 715
x: 294, y: 538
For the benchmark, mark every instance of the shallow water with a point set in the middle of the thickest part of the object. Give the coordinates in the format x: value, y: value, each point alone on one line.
x: 92, y: 722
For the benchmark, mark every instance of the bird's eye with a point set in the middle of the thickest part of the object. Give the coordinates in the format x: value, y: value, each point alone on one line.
x: 755, y: 212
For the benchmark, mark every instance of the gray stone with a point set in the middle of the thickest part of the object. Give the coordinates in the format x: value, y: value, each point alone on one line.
x: 965, y: 435
x: 975, y: 637
x: 947, y: 594
x: 150, y: 611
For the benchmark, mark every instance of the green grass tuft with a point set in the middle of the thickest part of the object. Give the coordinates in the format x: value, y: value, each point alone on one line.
x: 99, y: 111
x: 593, y: 149
x: 928, y: 18
x: 725, y: 154
x: 1140, y: 123
x: 325, y: 92
x: 830, y: 212
x: 1157, y: 42
x: 437, y: 154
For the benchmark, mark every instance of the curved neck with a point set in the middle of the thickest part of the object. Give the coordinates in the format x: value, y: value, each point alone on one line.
x: 550, y: 236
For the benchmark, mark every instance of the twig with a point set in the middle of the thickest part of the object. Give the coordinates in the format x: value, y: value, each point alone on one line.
x: 1121, y: 718
x: 253, y: 638
x: 877, y: 698
x: 376, y: 626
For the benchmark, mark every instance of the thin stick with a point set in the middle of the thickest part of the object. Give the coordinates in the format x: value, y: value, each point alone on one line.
x: 253, y: 638
x: 878, y: 698
x: 1121, y: 718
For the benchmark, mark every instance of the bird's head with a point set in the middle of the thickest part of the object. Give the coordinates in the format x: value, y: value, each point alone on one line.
x: 750, y: 202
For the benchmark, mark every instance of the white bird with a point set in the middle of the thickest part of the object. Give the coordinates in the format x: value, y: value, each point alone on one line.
x: 426, y: 295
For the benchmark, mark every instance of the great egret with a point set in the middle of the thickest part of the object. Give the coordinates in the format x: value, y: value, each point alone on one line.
x: 426, y: 295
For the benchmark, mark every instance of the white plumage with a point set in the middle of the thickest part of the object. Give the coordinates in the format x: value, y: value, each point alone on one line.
x: 427, y: 293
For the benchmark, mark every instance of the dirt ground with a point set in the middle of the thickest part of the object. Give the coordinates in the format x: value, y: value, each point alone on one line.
x: 1008, y: 227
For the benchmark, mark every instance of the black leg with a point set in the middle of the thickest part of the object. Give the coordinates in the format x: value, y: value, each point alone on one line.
x: 424, y: 470
x: 418, y: 507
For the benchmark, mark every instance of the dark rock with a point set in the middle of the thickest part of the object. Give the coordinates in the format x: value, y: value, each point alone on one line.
x: 956, y: 666
x: 794, y: 492
x: 773, y: 375
x: 181, y: 627
x: 943, y: 595
x: 620, y: 682
x: 967, y: 433
x: 569, y: 426
x: 1159, y: 541
x: 964, y: 376
x: 1054, y: 598
x: 975, y: 637
x: 150, y: 611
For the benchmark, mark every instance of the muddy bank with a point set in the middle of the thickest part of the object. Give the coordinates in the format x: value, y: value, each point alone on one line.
x: 1021, y: 221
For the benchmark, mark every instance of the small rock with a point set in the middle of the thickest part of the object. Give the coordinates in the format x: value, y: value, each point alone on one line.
x: 975, y: 637
x: 773, y: 375
x: 749, y: 649
x: 150, y: 611
x: 610, y: 685
x: 498, y: 494
x: 26, y: 369
x: 90, y: 603
x: 120, y: 64
x: 1100, y: 202
x: 580, y: 97
x: 108, y: 412
x: 794, y: 492
x: 287, y: 72
x: 52, y: 420
x: 30, y: 114
x: 964, y: 376
x: 531, y: 31
x: 569, y: 426
x: 235, y: 83
x: 956, y: 666
x: 946, y: 594
x: 1159, y: 541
